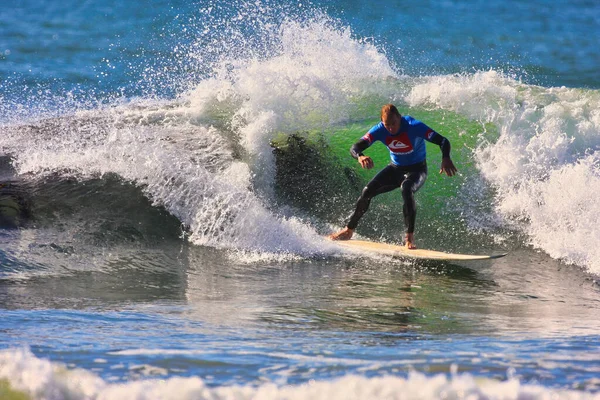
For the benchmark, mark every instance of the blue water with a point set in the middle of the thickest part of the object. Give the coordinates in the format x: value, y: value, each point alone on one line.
x: 106, y: 46
x: 145, y: 253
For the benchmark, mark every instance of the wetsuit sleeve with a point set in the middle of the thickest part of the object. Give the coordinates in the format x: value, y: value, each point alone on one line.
x: 432, y: 136
x: 357, y: 148
x: 364, y: 142
x: 441, y: 141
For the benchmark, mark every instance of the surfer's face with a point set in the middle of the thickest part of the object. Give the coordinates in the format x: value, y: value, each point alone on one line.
x: 392, y: 124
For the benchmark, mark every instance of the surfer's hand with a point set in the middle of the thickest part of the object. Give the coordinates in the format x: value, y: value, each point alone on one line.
x: 448, y: 167
x: 365, y: 162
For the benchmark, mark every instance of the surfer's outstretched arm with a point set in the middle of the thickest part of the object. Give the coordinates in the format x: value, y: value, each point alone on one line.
x: 356, y: 151
x: 357, y: 148
x: 447, y: 167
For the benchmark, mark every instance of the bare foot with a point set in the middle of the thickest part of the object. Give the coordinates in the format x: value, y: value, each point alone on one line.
x: 410, y: 241
x: 344, y: 234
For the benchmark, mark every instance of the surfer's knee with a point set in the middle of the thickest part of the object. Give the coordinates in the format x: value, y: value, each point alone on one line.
x: 362, y: 204
x: 367, y: 193
x: 407, y: 187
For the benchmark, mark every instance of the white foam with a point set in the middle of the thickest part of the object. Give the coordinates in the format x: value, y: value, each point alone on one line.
x: 42, y: 379
x: 301, y: 86
x: 545, y: 164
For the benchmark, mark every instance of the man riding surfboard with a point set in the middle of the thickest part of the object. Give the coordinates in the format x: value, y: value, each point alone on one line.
x: 404, y: 137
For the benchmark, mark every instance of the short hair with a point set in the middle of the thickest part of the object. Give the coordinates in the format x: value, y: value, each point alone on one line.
x: 388, y: 110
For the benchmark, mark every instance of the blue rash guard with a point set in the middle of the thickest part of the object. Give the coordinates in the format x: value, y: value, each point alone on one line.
x: 407, y: 147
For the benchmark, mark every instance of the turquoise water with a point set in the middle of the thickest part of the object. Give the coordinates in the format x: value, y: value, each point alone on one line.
x: 151, y: 246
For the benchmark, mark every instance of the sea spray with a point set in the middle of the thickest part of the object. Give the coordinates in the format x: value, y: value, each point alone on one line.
x: 206, y: 156
x: 544, y: 164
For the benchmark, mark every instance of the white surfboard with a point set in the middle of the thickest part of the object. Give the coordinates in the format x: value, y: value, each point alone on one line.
x: 403, y: 252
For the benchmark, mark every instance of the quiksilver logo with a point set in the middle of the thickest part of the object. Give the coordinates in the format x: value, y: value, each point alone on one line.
x: 398, y: 145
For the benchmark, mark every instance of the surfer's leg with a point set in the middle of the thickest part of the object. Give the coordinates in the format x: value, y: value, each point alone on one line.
x: 413, y: 182
x: 383, y: 182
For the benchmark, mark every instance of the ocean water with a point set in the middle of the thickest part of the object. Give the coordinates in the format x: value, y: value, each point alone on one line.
x: 152, y: 246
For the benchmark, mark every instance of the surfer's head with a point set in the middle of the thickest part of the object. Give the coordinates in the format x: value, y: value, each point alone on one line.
x: 390, y: 116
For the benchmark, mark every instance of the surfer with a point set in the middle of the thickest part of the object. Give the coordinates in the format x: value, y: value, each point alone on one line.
x: 403, y: 135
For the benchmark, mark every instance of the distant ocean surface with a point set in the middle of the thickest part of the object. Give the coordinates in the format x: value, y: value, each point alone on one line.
x: 153, y: 245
